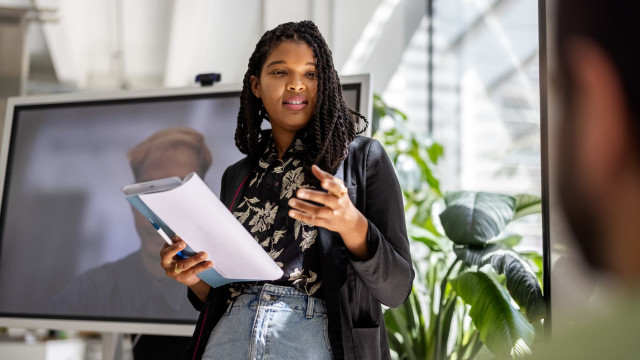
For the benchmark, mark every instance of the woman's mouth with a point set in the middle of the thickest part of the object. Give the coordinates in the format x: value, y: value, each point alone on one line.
x: 295, y: 103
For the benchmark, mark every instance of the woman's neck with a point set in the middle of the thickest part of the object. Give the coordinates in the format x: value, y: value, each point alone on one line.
x: 282, y: 140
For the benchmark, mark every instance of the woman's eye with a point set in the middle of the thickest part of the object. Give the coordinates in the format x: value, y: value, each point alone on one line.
x: 279, y: 72
x: 312, y: 74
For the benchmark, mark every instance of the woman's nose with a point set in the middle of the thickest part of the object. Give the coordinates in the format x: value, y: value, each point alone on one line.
x: 295, y: 85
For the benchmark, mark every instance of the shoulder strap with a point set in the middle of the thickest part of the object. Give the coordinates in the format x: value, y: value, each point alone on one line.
x: 233, y: 180
x: 238, y: 191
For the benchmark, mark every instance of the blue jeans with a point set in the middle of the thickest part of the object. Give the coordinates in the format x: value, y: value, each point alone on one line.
x: 271, y: 322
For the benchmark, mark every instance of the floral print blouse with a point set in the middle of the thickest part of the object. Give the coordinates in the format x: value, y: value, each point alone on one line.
x: 263, y: 209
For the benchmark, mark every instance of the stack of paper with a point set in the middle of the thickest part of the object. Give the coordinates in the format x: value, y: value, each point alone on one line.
x: 191, y: 210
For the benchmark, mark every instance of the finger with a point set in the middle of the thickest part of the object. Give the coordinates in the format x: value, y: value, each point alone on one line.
x: 169, y: 252
x: 319, y: 197
x: 319, y: 173
x: 200, y: 267
x: 183, y: 270
x: 164, y: 258
x: 303, y: 206
x: 188, y: 263
x: 334, y: 186
x: 329, y: 182
x: 308, y: 219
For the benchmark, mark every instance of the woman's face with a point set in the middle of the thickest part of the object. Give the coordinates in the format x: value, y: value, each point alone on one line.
x: 288, y: 86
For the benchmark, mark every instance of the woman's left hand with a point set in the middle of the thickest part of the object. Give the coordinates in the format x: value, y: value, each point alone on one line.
x: 335, y: 212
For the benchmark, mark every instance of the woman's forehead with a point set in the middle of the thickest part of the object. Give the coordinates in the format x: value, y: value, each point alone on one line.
x: 288, y: 50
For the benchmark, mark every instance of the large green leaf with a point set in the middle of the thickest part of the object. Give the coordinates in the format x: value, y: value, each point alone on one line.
x: 424, y: 236
x: 421, y: 215
x: 507, y: 238
x: 426, y: 173
x: 435, y: 152
x: 473, y: 218
x: 504, y: 330
x: 522, y: 281
x: 535, y: 258
x: 526, y: 205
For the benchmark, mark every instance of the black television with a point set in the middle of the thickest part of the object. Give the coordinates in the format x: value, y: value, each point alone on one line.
x: 62, y: 163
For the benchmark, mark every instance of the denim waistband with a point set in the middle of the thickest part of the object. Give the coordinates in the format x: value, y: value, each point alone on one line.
x: 276, y: 290
x: 270, y: 294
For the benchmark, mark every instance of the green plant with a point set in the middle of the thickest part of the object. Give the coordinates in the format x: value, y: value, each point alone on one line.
x: 473, y: 295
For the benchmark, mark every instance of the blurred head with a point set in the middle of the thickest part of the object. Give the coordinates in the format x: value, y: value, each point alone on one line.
x: 166, y: 153
x: 330, y: 126
x: 599, y: 83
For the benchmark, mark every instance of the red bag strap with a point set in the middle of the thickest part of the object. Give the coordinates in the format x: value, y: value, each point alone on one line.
x: 238, y: 191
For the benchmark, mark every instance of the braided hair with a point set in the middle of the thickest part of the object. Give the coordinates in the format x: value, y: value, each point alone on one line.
x: 331, y: 127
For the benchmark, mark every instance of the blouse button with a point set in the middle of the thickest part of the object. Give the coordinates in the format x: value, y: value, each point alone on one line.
x: 277, y: 183
x: 266, y: 297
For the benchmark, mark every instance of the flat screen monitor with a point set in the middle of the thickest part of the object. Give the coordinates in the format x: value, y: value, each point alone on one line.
x: 70, y: 254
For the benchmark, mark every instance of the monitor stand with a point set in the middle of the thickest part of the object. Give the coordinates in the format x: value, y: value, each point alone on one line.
x: 116, y: 346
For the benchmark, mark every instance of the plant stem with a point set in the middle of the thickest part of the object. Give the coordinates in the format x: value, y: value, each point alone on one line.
x: 465, y: 347
x: 476, y: 346
x: 461, y: 332
x: 443, y: 287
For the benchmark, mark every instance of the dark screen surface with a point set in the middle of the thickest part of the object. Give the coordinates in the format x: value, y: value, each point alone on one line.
x: 69, y: 245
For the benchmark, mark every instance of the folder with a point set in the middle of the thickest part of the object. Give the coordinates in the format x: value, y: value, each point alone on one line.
x: 190, y: 209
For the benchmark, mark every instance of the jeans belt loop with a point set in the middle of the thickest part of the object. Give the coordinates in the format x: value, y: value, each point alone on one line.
x: 310, y: 303
x: 231, y: 301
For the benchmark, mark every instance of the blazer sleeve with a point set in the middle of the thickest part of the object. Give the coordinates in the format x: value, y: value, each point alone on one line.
x: 388, y: 273
x: 193, y: 299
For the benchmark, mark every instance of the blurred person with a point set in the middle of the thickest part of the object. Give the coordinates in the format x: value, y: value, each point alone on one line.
x: 598, y: 81
x: 134, y: 286
x: 166, y: 153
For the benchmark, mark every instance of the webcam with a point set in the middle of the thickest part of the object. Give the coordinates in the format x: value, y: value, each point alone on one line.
x: 208, y: 79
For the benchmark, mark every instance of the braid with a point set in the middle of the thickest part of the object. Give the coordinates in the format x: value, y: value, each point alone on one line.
x: 332, y: 126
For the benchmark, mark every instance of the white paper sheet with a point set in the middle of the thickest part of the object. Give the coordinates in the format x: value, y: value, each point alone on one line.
x: 194, y: 212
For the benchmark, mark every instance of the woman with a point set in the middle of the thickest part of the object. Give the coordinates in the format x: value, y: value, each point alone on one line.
x: 324, y: 203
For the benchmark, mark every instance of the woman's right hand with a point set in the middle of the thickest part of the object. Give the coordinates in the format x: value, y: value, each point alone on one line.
x: 186, y: 270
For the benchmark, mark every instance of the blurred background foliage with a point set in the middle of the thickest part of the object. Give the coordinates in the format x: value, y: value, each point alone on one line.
x: 475, y: 296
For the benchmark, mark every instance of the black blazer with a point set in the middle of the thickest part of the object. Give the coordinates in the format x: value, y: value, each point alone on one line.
x: 353, y: 290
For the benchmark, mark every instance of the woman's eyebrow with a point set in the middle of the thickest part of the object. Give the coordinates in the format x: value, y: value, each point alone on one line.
x: 278, y: 62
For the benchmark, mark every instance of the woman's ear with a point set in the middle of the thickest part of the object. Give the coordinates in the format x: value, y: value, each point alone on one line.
x: 255, y: 85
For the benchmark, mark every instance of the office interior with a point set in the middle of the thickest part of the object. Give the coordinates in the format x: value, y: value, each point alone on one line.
x: 471, y: 75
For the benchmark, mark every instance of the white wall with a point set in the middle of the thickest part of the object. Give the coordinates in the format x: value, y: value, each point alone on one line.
x: 212, y: 36
x: 114, y: 44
